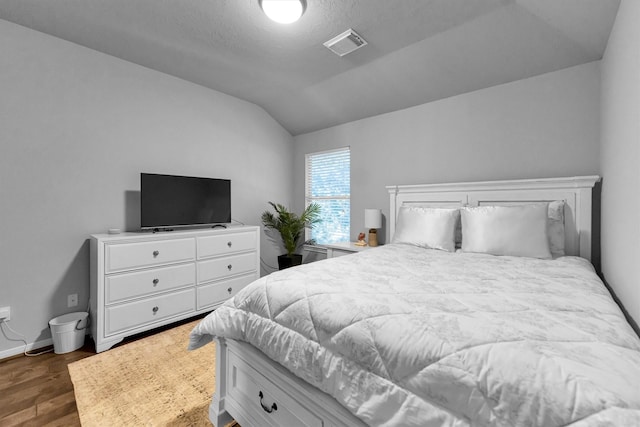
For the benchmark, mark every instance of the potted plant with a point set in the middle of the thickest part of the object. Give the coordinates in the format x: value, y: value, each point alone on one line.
x: 291, y: 228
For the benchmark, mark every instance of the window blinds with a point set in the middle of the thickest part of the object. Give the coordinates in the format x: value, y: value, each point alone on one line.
x: 328, y: 183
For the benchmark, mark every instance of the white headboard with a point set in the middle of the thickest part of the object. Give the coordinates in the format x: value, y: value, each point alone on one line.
x: 575, y: 191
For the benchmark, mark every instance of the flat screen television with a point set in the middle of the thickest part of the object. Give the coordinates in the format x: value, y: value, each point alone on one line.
x: 169, y: 201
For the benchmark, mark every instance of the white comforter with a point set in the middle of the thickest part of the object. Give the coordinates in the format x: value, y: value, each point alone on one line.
x: 401, y: 335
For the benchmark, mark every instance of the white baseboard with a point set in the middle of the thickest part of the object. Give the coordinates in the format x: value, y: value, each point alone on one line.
x: 20, y: 349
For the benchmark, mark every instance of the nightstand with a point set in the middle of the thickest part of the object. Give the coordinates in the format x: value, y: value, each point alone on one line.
x: 343, y: 248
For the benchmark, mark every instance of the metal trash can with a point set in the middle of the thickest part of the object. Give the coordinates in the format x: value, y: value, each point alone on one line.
x: 68, y: 331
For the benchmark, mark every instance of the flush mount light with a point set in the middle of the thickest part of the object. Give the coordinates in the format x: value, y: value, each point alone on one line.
x: 283, y: 11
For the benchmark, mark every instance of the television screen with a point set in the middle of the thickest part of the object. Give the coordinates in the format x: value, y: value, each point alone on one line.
x: 168, y: 201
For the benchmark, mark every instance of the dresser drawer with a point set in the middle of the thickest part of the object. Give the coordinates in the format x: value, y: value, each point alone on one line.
x: 220, y: 268
x: 209, y: 246
x: 257, y: 395
x: 119, y: 287
x: 134, y: 314
x: 217, y: 292
x: 145, y: 254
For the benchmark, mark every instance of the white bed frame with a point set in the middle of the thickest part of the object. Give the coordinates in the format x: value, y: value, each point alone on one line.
x: 256, y: 391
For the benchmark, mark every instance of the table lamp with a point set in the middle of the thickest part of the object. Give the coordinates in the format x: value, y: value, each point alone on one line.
x: 373, y: 221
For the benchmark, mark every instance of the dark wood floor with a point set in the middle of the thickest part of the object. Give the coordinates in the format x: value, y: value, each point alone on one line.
x: 37, y: 391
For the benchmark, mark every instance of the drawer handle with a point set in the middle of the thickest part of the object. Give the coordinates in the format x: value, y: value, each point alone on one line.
x: 156, y: 281
x: 155, y: 309
x: 156, y: 253
x: 268, y: 410
x: 230, y: 290
x: 229, y: 267
x: 229, y: 244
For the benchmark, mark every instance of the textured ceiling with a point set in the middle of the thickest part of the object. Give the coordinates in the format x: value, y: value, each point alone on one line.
x: 419, y: 50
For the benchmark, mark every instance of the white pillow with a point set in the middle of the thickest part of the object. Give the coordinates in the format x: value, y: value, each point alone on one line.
x: 427, y: 227
x: 506, y: 230
x: 555, y: 228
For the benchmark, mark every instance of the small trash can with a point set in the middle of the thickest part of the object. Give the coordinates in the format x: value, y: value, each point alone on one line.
x: 68, y: 331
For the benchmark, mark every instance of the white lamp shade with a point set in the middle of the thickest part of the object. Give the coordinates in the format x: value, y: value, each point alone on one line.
x: 283, y: 11
x: 372, y: 218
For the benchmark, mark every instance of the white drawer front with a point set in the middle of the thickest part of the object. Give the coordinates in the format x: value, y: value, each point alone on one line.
x: 145, y: 254
x: 214, y: 293
x: 209, y: 246
x: 124, y: 286
x: 133, y: 314
x: 220, y: 268
x: 245, y: 385
x: 338, y: 252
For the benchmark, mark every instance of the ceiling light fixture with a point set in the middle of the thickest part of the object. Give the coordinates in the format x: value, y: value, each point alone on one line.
x: 283, y: 11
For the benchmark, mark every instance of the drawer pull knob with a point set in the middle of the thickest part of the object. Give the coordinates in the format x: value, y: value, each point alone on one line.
x: 230, y: 290
x: 156, y: 253
x: 229, y: 267
x: 268, y: 410
x: 155, y: 309
x: 229, y: 244
x: 156, y: 281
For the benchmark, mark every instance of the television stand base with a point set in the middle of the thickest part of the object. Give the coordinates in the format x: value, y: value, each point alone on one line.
x: 158, y: 230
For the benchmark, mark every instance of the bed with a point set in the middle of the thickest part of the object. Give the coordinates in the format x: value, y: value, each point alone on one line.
x: 437, y: 328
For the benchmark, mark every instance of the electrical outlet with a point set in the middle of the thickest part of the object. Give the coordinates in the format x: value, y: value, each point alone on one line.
x: 72, y: 300
x: 5, y: 313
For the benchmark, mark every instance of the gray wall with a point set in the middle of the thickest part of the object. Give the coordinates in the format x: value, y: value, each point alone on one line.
x: 544, y: 126
x: 76, y: 129
x: 621, y: 158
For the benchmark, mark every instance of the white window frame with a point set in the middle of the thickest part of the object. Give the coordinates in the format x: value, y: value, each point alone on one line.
x: 307, y: 186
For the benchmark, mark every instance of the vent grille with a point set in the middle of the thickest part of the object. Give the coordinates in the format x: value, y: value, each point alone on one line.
x: 345, y: 43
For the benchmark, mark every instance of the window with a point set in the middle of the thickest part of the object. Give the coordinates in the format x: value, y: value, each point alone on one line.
x: 328, y: 183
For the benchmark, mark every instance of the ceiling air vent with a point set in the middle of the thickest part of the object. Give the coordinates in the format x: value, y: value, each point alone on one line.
x: 345, y: 43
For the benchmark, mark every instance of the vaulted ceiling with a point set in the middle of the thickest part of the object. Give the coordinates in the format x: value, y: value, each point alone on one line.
x: 418, y: 50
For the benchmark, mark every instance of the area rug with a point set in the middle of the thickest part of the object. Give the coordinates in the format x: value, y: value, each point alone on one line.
x: 153, y: 381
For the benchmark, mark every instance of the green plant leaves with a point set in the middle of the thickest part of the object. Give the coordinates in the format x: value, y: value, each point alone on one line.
x: 291, y: 226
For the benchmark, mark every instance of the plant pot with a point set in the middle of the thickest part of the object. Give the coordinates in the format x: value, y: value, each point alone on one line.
x: 286, y: 261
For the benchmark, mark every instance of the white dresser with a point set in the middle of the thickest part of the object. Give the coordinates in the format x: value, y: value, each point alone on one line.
x: 140, y: 281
